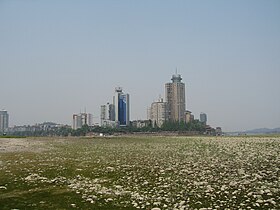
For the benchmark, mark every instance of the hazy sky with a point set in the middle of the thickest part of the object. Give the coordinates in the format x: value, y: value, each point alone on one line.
x: 58, y: 57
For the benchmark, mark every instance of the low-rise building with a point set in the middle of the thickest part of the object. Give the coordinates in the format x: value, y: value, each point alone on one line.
x: 219, y: 131
x: 141, y: 123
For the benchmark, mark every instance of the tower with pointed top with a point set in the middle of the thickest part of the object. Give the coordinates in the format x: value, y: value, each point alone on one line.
x: 175, y: 98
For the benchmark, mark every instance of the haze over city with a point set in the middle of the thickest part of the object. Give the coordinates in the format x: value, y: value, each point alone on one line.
x: 60, y: 57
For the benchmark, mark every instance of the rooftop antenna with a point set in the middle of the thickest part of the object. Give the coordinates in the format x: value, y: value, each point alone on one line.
x: 176, y: 70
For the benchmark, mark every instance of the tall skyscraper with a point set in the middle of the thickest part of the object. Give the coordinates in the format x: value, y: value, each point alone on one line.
x: 4, y: 121
x: 175, y: 98
x: 158, y: 113
x: 121, y: 107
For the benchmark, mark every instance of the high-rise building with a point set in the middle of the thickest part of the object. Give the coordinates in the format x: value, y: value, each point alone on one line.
x: 81, y: 119
x: 121, y: 107
x: 89, y: 119
x: 77, y: 121
x: 158, y: 113
x: 107, y: 115
x: 4, y: 121
x: 203, y: 118
x: 103, y: 114
x: 175, y: 98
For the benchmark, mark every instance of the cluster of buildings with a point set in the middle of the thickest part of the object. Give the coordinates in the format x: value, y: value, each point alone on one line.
x: 46, y: 126
x: 117, y: 113
x: 173, y: 108
x: 4, y: 125
x: 81, y: 119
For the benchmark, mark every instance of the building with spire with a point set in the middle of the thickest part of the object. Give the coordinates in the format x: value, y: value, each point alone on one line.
x: 175, y: 98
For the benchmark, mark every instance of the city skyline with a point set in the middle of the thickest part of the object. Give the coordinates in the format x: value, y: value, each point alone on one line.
x: 59, y: 57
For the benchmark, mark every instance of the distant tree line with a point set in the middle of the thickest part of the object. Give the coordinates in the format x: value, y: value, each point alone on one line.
x: 195, y: 125
x: 62, y: 131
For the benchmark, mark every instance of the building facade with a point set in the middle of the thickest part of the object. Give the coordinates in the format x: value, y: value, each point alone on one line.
x: 158, y: 113
x: 107, y: 115
x: 189, y: 116
x: 81, y: 119
x: 4, y: 121
x: 175, y: 98
x: 140, y: 123
x: 121, y: 107
x: 219, y: 131
x: 203, y: 118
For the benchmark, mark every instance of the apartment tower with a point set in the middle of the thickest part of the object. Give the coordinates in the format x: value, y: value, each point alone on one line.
x: 158, y: 113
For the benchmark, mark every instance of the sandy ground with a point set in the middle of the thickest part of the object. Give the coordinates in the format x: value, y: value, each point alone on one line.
x: 22, y: 144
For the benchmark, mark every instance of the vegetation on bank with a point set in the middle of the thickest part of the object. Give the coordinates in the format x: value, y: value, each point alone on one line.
x: 12, y: 136
x: 195, y: 126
